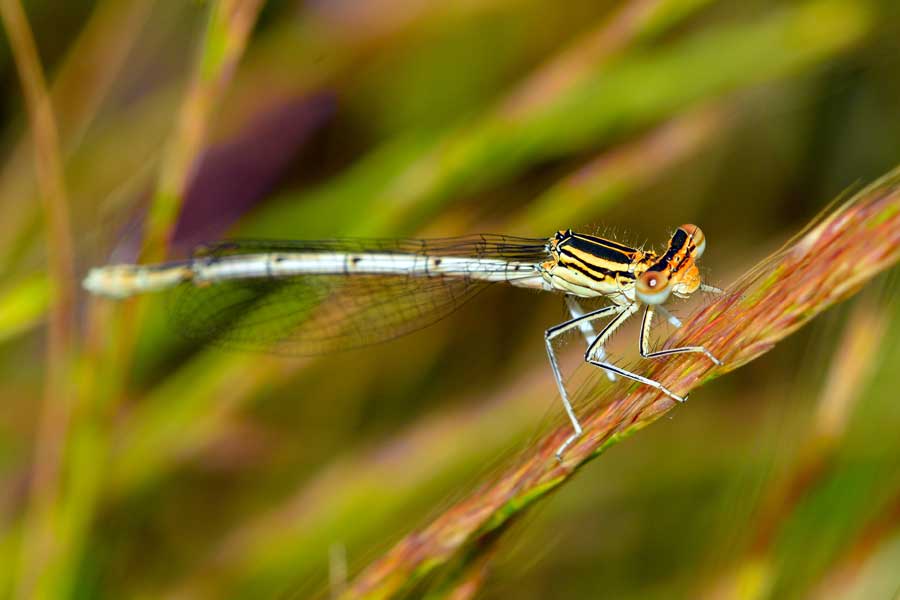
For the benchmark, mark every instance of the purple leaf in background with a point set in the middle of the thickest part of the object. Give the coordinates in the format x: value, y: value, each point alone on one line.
x: 235, y: 176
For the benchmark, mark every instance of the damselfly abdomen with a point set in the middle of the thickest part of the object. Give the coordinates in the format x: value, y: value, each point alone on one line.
x: 311, y: 297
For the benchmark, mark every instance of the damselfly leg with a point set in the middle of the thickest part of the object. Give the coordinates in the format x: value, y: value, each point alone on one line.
x: 622, y: 314
x: 596, y: 354
x: 646, y: 324
x: 555, y: 332
x: 601, y: 339
x: 587, y: 330
x: 592, y: 356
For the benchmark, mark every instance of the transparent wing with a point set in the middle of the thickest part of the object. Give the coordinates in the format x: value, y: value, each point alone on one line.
x: 316, y: 314
x: 475, y: 246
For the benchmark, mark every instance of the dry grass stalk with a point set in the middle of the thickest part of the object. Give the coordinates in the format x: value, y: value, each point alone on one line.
x: 41, y: 548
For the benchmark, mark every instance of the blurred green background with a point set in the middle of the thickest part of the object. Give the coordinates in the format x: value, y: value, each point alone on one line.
x: 190, y: 472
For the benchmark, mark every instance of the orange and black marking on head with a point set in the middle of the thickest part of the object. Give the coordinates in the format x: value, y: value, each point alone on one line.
x: 675, y: 271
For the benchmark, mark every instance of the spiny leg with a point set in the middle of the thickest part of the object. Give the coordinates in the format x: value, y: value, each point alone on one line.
x: 587, y: 330
x: 556, y: 331
x: 601, y: 339
x: 646, y: 323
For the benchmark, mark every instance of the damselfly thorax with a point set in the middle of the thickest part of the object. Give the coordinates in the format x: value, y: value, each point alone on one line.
x: 309, y: 297
x: 588, y: 266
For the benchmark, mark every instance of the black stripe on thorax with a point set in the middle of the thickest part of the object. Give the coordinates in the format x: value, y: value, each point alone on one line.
x: 591, y: 271
x: 577, y: 266
x: 605, y: 242
x: 602, y: 249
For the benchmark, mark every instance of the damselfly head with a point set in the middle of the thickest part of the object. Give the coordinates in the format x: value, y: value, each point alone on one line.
x: 675, y: 272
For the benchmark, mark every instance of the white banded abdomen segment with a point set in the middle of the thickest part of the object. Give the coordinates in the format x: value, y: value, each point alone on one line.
x: 121, y: 281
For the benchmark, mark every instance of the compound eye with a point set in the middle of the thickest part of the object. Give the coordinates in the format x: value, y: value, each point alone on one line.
x: 652, y: 287
x: 697, y: 238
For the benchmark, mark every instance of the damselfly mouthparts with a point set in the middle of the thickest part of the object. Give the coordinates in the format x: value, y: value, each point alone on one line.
x: 310, y: 297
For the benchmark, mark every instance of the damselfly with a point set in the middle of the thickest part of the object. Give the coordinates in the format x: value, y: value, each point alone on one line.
x: 310, y: 297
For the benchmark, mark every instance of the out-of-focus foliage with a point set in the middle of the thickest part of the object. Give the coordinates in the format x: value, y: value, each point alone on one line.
x: 190, y: 472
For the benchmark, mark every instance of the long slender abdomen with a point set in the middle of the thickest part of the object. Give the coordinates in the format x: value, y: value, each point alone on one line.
x: 120, y: 281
